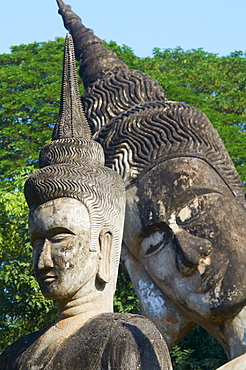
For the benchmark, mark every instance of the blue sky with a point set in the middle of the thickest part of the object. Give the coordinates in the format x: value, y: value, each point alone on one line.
x: 217, y: 26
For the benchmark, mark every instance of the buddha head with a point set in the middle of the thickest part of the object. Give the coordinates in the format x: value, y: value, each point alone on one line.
x: 185, y: 216
x: 76, y: 205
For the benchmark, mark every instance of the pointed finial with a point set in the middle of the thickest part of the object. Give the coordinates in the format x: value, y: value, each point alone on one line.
x: 71, y: 121
x: 72, y: 142
x: 95, y: 60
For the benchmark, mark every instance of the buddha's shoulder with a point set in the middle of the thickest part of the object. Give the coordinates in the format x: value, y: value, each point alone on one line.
x: 116, y: 327
x: 123, y: 341
x: 12, y: 352
x: 128, y: 342
x: 118, y: 322
x: 109, y: 340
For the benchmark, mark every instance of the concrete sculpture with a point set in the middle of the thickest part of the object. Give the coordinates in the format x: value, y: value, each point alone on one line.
x: 184, y: 236
x: 76, y: 222
x: 239, y: 363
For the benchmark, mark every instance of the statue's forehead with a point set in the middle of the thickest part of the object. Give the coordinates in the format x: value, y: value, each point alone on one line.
x: 62, y: 212
x: 168, y: 187
x: 178, y: 176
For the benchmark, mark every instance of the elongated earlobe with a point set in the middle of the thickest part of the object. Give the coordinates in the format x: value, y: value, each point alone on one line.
x: 104, y: 265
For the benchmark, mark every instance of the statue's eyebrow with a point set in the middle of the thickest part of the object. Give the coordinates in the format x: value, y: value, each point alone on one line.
x: 51, y: 232
x: 59, y: 230
x: 35, y: 236
x: 189, y: 195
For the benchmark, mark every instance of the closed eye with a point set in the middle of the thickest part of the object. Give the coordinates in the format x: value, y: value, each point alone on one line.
x: 60, y: 237
x: 153, y: 248
x: 38, y: 242
x: 154, y: 243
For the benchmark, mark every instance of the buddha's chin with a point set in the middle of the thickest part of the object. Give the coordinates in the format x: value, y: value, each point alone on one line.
x: 52, y: 295
x: 215, y: 310
x: 53, y: 292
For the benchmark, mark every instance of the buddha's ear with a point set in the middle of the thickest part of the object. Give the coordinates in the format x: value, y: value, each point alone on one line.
x: 105, y: 253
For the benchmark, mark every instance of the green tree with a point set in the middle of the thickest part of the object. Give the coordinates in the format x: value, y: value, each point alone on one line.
x: 29, y: 93
x: 30, y: 87
x: 198, y: 351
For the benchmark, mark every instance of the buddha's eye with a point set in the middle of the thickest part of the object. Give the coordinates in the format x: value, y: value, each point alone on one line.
x: 38, y: 242
x: 60, y: 238
x: 198, y: 218
x: 154, y: 243
x: 188, y: 213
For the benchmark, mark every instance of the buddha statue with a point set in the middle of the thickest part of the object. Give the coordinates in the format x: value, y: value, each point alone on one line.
x: 184, y: 234
x: 76, y: 220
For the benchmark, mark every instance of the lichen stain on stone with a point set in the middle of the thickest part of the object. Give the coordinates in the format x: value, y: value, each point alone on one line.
x: 185, y: 213
x: 232, y: 293
x: 213, y: 298
x: 152, y: 299
x: 203, y: 263
x: 162, y: 209
x: 184, y: 182
x: 173, y: 224
x: 150, y: 215
x: 149, y: 192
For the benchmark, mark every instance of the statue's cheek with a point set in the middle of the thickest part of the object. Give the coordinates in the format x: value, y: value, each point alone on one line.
x: 162, y: 266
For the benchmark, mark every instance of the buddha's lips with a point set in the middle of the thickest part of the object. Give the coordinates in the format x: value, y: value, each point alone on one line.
x: 48, y: 278
x: 211, y: 278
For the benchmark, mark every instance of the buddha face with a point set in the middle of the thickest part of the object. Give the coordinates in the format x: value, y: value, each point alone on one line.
x: 60, y: 236
x: 187, y: 229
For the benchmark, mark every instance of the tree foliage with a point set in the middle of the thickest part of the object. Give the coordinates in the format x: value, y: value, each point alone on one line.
x: 198, y: 351
x: 30, y: 88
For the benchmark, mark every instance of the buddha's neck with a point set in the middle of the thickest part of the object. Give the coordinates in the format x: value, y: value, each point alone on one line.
x: 73, y: 313
x: 233, y: 334
x: 85, y: 305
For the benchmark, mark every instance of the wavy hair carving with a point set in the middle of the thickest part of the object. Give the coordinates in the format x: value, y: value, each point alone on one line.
x: 71, y: 150
x: 148, y: 134
x: 116, y: 93
x: 98, y: 188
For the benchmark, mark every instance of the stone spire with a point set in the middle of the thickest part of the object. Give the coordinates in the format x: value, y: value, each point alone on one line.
x: 71, y: 120
x: 71, y: 137
x: 94, y: 59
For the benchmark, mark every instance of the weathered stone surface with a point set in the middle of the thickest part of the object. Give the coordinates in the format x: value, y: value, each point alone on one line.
x: 185, y: 215
x: 107, y: 341
x: 76, y: 223
x: 187, y: 219
x: 172, y: 322
x: 238, y: 363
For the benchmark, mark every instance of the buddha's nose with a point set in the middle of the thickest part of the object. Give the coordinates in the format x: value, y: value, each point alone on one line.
x: 190, y: 249
x: 45, y: 259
